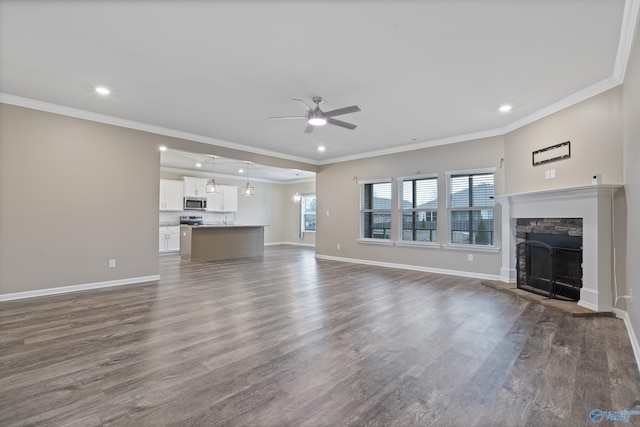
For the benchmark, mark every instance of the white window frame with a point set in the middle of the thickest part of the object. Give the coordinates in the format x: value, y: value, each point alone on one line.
x: 361, y: 184
x: 402, y: 210
x: 303, y: 212
x: 467, y: 246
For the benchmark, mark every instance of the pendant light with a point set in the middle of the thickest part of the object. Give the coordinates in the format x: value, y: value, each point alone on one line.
x: 247, y: 190
x: 212, y: 187
x: 296, y: 198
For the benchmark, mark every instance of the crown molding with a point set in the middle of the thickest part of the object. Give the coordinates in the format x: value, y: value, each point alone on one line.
x: 627, y: 33
x: 573, y: 99
x: 418, y: 146
x: 204, y: 174
x: 130, y: 124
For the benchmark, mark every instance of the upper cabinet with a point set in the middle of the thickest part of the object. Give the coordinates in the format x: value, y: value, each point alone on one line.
x: 171, y: 193
x: 224, y: 201
x: 195, y: 186
x: 230, y: 198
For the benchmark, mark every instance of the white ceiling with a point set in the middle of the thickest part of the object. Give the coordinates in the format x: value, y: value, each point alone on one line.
x: 423, y: 72
x: 223, y: 168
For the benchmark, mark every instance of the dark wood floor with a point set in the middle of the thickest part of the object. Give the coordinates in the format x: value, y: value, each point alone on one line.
x: 288, y: 340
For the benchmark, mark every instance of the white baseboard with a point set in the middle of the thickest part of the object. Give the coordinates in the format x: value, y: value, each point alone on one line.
x: 76, y: 288
x: 308, y: 245
x: 632, y: 335
x: 508, y: 275
x: 413, y: 267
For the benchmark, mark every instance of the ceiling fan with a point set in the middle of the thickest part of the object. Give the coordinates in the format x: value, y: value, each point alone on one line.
x: 316, y: 117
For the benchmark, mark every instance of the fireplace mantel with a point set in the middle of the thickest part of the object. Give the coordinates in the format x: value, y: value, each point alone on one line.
x: 591, y: 203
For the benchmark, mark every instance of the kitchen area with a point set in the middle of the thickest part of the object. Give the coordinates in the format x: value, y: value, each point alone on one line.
x: 213, y: 208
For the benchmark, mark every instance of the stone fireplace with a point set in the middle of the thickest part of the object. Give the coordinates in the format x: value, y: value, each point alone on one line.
x: 589, y: 204
x: 549, y: 256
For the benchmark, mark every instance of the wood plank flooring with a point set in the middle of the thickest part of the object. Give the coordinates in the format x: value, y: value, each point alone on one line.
x: 289, y: 340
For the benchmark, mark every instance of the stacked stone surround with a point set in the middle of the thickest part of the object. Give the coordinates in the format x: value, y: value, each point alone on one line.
x: 558, y: 226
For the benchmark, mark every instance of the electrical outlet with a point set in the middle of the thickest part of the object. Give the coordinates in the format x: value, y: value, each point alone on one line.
x: 112, y: 263
x: 338, y: 246
x: 547, y: 174
x: 327, y: 213
x: 470, y: 257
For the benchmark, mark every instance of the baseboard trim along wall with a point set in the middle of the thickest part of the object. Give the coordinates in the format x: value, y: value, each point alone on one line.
x: 632, y: 336
x: 308, y: 245
x: 414, y: 267
x: 76, y: 288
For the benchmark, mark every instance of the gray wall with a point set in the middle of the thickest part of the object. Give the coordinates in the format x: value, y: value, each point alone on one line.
x: 339, y: 194
x: 594, y: 128
x: 74, y: 194
x: 631, y: 131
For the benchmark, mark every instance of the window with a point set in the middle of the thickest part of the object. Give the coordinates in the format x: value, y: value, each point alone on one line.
x: 308, y: 212
x: 418, y: 209
x: 375, y: 210
x: 470, y: 208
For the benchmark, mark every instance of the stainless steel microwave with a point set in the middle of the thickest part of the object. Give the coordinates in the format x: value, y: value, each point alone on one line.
x: 192, y: 203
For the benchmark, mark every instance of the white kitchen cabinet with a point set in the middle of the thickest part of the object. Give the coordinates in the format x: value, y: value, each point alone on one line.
x: 195, y: 186
x: 230, y: 198
x: 169, y: 239
x: 224, y: 201
x: 171, y: 193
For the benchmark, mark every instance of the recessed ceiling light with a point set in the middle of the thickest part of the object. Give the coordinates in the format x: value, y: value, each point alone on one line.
x: 505, y: 108
x: 240, y: 170
x: 102, y: 90
x: 162, y: 148
x: 321, y: 148
x: 198, y: 165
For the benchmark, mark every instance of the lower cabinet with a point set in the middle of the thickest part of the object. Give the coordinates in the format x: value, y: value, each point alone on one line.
x: 169, y: 239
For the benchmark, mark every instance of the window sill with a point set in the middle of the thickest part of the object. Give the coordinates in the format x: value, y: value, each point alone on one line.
x: 474, y: 248
x: 413, y: 244
x: 386, y: 242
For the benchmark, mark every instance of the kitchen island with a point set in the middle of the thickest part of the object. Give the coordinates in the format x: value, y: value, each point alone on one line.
x: 217, y: 242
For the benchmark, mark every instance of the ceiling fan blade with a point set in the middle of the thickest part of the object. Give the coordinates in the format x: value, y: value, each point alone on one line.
x: 306, y: 106
x: 345, y: 110
x: 341, y: 123
x: 309, y: 129
x: 288, y: 117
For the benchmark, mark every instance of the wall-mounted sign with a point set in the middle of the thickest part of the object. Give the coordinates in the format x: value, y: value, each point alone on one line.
x: 551, y: 154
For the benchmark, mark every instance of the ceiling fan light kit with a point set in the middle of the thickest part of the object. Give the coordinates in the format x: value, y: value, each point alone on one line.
x: 316, y: 117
